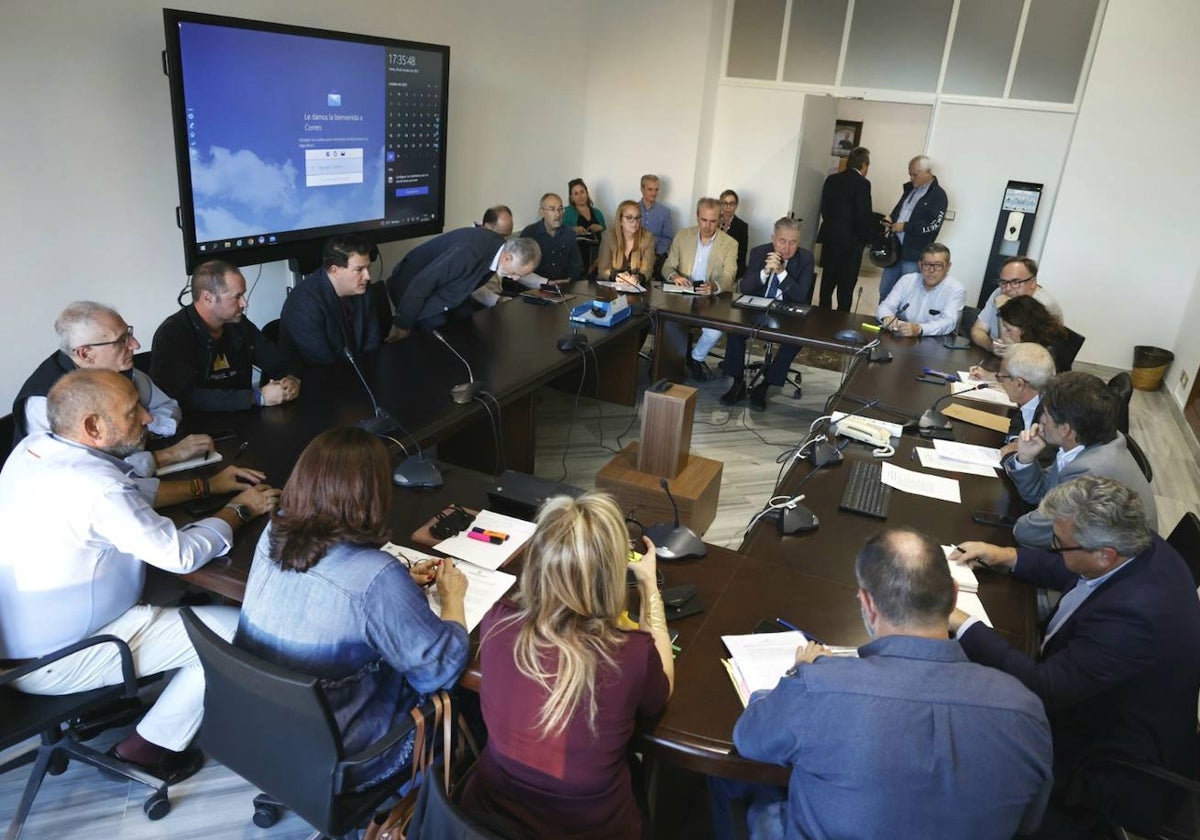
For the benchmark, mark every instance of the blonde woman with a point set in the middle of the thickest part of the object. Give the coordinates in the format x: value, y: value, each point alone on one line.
x: 563, y: 686
x: 627, y: 248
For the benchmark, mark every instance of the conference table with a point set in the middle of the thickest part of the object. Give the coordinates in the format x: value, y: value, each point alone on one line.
x: 807, y: 579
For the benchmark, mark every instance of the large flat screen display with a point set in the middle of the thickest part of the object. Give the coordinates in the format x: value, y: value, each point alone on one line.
x: 285, y: 136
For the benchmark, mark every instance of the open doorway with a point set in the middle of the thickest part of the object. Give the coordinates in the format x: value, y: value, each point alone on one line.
x: 894, y: 132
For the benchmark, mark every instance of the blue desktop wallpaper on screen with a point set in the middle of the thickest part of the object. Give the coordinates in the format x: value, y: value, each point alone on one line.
x: 255, y: 101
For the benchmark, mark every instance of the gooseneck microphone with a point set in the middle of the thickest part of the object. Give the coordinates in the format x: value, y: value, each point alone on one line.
x: 468, y: 390
x: 382, y: 422
x: 674, y: 542
x: 933, y: 417
x: 887, y: 325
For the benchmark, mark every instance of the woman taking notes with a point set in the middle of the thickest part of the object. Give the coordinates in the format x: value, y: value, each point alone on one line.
x: 563, y: 686
x: 627, y: 248
x: 322, y: 599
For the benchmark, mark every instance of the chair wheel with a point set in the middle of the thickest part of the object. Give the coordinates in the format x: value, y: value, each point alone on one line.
x: 798, y: 393
x: 57, y: 765
x: 266, y: 816
x: 156, y: 807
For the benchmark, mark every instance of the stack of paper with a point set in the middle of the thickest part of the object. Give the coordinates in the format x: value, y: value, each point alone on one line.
x: 921, y: 484
x: 984, y: 456
x: 485, y: 554
x: 758, y: 661
x: 993, y: 394
x: 191, y: 463
x: 968, y: 588
x: 484, y: 586
x: 932, y: 459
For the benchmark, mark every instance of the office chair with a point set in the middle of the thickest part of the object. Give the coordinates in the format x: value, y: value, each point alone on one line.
x: 1185, y: 539
x: 141, y: 361
x: 1138, y: 455
x: 24, y: 715
x: 1066, y: 351
x: 273, y: 727
x: 438, y: 817
x: 270, y: 331
x: 970, y: 314
x: 1122, y: 387
x: 7, y: 430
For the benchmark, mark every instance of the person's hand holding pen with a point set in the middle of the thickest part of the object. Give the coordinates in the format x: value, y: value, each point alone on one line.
x: 452, y: 591
x: 424, y: 572
x: 975, y: 554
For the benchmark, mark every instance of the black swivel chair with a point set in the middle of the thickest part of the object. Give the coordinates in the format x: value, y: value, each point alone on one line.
x: 966, y: 320
x: 1122, y: 387
x: 272, y: 727
x: 1138, y: 455
x: 1065, y: 352
x: 1185, y: 539
x: 7, y: 430
x: 23, y: 716
x: 270, y: 331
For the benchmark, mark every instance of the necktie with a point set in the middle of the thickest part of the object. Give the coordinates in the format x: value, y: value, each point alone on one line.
x: 773, y: 286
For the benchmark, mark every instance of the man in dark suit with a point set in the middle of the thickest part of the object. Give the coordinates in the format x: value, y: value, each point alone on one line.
x: 732, y: 224
x: 1119, y: 664
x: 782, y: 270
x: 847, y: 225
x: 433, y: 284
x: 330, y: 311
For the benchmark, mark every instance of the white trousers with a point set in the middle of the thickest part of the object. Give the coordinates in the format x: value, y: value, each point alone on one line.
x: 159, y: 643
x: 707, y: 340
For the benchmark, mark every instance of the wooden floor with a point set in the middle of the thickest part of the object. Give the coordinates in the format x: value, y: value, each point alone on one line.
x: 217, y: 804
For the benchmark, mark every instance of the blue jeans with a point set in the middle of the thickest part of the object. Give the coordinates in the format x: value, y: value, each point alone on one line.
x: 894, y: 273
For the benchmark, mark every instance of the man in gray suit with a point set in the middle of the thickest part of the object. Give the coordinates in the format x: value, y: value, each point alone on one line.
x: 1078, y: 417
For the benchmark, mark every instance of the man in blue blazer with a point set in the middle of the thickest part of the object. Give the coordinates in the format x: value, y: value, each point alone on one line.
x: 782, y: 270
x: 1119, y: 665
x: 330, y: 310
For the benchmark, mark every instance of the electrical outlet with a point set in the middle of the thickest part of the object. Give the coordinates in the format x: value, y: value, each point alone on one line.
x: 950, y: 214
x: 1183, y: 379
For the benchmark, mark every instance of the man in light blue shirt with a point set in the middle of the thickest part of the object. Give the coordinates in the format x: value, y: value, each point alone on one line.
x: 656, y: 218
x: 925, y: 303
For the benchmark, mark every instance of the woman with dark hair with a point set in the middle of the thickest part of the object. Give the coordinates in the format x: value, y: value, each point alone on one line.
x: 627, y: 248
x: 1027, y: 319
x: 564, y: 683
x: 581, y: 215
x: 324, y: 600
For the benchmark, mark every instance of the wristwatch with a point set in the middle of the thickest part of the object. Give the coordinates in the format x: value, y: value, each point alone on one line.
x: 242, y: 511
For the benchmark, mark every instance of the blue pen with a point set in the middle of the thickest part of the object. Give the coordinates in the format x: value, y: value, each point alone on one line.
x: 949, y: 377
x: 791, y: 626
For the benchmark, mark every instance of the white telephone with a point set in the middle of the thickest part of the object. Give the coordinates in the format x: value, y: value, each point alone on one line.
x: 858, y: 428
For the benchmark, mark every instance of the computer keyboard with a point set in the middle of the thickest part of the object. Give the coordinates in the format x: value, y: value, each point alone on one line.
x: 865, y: 492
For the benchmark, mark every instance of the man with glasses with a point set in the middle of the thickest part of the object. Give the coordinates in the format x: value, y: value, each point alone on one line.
x: 92, y: 336
x: 925, y: 303
x: 1079, y: 418
x: 916, y: 220
x: 732, y: 224
x: 205, y: 354
x: 561, y: 260
x: 1018, y: 277
x: 1119, y: 663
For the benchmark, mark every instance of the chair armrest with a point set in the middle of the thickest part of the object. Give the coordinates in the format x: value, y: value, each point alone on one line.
x: 1181, y: 782
x: 388, y: 740
x: 128, y: 674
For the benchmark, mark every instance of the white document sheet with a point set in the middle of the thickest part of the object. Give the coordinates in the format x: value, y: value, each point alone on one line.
x: 984, y: 456
x: 921, y: 484
x: 969, y: 603
x: 964, y: 576
x: 993, y: 394
x: 932, y: 460
x: 484, y: 586
x: 191, y: 463
x: 485, y: 554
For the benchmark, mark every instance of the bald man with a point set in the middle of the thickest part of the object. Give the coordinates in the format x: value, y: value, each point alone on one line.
x: 78, y: 537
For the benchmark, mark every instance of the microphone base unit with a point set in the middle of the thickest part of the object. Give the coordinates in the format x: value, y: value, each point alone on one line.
x: 879, y: 354
x: 381, y: 424
x: 463, y: 394
x: 824, y: 453
x: 416, y: 472
x: 675, y: 542
x: 934, y: 420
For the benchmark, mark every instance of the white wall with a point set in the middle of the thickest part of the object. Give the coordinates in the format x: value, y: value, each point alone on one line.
x: 895, y: 134
x: 976, y: 151
x: 89, y: 173
x: 1125, y: 223
x: 812, y: 164
x: 756, y: 137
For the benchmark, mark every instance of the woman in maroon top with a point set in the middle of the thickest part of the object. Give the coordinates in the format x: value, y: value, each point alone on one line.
x: 563, y: 686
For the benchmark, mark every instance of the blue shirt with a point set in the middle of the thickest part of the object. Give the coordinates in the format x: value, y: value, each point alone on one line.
x: 358, y: 621
x: 937, y: 310
x: 910, y: 740
x: 657, y: 220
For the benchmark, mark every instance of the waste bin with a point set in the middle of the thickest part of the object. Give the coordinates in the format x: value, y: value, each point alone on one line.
x: 1149, y: 366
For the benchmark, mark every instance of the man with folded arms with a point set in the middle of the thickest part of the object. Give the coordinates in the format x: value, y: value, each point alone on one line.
x: 908, y: 739
x: 1119, y: 664
x: 1078, y: 417
x: 78, y: 537
x: 780, y: 270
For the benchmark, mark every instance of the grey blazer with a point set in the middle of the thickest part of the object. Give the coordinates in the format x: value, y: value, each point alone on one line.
x: 1108, y: 460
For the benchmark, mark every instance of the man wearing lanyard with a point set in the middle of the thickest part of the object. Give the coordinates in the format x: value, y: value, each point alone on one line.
x: 916, y: 220
x: 1119, y: 665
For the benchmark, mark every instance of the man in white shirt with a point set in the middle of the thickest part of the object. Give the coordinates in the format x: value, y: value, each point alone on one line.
x: 1018, y: 278
x: 925, y: 303
x: 78, y: 534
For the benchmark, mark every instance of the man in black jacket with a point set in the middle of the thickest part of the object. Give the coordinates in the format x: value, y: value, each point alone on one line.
x: 847, y: 225
x: 330, y: 311
x: 916, y: 220
x: 733, y: 224
x: 782, y: 270
x: 204, y: 354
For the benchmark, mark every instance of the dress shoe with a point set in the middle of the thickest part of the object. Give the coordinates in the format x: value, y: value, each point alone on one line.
x: 698, y: 370
x: 173, y: 768
x: 758, y: 396
x: 735, y: 394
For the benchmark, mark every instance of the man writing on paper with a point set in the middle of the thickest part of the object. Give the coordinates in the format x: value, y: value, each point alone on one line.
x: 925, y: 303
x: 908, y: 734
x: 1078, y: 417
x: 1119, y: 665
